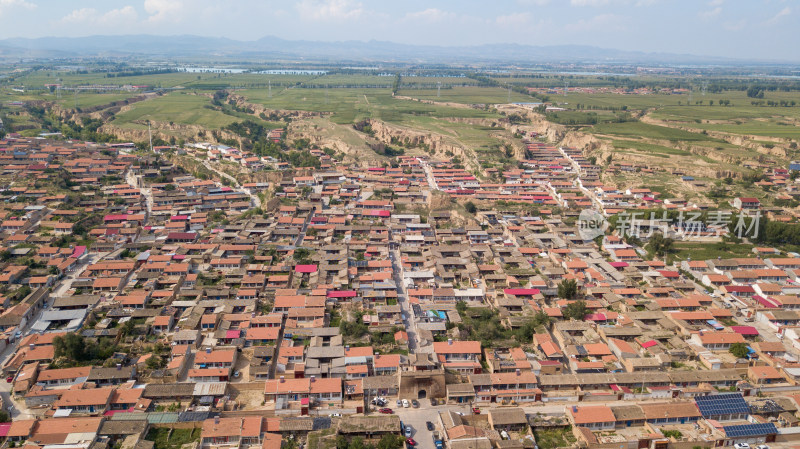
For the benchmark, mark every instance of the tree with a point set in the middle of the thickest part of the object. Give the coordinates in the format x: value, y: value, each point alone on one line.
x: 357, y: 443
x: 541, y: 319
x: 4, y: 416
x: 470, y: 206
x: 355, y: 328
x: 755, y: 92
x: 567, y: 289
x: 128, y: 327
x: 71, y: 346
x: 22, y: 292
x: 660, y: 244
x: 390, y: 442
x: 739, y: 350
x: 576, y: 310
x: 154, y: 362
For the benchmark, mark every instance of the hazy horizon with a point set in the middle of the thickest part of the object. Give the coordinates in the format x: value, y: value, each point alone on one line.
x: 717, y: 28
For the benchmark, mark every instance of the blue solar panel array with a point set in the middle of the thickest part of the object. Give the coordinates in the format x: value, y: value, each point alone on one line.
x: 750, y: 430
x: 722, y: 404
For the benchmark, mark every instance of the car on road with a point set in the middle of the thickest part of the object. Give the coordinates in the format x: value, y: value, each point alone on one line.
x: 407, y: 431
x: 415, y: 403
x: 405, y: 403
x: 762, y: 446
x: 336, y: 415
x: 741, y: 446
x: 10, y: 379
x: 399, y: 403
x: 429, y: 425
x: 411, y: 442
x: 386, y: 411
x: 433, y: 401
x: 476, y: 410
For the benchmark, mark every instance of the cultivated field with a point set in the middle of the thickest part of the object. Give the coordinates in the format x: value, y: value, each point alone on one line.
x: 177, y: 107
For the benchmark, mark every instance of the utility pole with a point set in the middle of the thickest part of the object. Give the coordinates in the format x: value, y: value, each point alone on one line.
x: 150, y: 134
x: 269, y: 83
x: 438, y: 89
x: 566, y: 87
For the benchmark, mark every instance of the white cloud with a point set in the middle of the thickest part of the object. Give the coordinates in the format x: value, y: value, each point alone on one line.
x: 429, y: 15
x: 514, y: 19
x: 603, y: 22
x: 782, y: 13
x: 711, y: 13
x: 534, y: 2
x: 588, y: 2
x: 93, y: 16
x: 738, y: 25
x: 80, y: 15
x: 330, y: 9
x: 160, y: 10
x: 8, y: 4
x: 716, y: 2
x: 124, y: 13
x: 598, y: 3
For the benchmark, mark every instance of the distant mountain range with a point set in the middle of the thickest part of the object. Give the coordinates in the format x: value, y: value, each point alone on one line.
x: 357, y: 51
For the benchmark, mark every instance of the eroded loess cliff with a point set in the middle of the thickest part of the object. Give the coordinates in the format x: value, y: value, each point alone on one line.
x: 440, y: 146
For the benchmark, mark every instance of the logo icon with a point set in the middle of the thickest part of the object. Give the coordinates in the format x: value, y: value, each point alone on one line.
x: 591, y: 224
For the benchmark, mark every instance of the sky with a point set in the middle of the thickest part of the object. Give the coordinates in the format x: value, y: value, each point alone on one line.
x: 746, y: 29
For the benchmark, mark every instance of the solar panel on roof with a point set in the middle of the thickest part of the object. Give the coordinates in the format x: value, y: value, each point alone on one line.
x: 750, y: 430
x: 722, y: 404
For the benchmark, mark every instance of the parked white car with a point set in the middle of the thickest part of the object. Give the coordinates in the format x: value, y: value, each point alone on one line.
x: 406, y: 403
